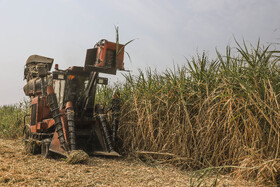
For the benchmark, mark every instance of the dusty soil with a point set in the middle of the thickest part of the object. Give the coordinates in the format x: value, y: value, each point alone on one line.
x: 20, y: 169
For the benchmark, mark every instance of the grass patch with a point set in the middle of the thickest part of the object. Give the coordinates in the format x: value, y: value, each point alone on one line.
x: 11, y: 120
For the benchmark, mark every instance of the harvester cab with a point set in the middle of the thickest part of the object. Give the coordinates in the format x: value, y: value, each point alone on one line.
x: 64, y: 116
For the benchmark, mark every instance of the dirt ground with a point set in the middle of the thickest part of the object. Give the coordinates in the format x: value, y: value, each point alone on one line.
x: 19, y: 169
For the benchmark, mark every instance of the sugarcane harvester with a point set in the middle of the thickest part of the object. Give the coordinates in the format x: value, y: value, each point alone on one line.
x: 64, y: 116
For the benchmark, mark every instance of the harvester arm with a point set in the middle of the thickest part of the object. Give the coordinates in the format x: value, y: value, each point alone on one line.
x: 85, y: 97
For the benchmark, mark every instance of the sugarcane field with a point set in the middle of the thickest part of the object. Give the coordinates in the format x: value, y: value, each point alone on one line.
x: 140, y: 93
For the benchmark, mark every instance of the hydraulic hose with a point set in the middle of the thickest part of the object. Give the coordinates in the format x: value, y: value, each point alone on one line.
x: 116, y: 115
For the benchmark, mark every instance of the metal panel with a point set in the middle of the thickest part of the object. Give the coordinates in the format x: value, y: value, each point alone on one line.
x: 33, y: 114
x: 59, y: 87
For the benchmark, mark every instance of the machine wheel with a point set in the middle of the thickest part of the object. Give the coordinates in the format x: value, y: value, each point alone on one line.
x: 30, y: 145
x: 45, y: 152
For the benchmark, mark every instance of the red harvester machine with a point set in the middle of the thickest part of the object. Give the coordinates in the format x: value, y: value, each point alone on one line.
x: 64, y: 116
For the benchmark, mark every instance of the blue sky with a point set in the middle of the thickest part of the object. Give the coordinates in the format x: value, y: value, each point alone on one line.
x: 166, y: 31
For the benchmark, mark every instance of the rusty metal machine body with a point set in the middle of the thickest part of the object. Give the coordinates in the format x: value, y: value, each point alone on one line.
x: 64, y: 115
